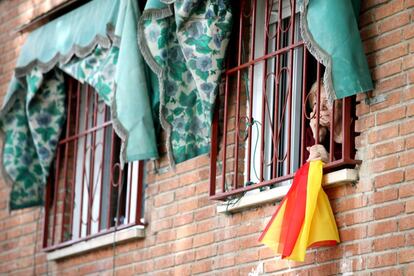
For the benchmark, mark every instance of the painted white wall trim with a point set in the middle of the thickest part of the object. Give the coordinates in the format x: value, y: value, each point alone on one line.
x: 135, y: 232
x: 272, y: 195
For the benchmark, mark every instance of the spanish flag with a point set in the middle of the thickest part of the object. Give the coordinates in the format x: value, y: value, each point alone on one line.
x: 304, y: 218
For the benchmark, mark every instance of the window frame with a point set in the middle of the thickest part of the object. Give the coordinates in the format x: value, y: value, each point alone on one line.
x: 219, y: 189
x: 60, y: 198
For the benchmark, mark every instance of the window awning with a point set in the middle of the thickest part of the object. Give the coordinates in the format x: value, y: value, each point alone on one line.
x: 96, y: 44
x: 330, y: 31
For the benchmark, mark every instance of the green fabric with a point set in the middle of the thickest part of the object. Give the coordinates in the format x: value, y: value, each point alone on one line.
x: 31, y: 131
x: 104, y: 53
x: 79, y: 27
x: 184, y: 43
x: 333, y: 37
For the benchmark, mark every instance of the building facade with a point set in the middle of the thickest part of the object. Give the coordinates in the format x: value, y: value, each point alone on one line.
x: 186, y: 232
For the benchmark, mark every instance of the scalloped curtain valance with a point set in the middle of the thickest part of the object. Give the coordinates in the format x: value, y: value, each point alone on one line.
x: 95, y: 44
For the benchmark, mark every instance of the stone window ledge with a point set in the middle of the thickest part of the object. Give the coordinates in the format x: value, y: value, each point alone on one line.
x: 255, y: 199
x: 120, y: 236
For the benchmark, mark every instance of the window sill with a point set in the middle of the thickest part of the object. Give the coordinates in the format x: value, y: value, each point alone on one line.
x: 136, y: 232
x: 253, y: 200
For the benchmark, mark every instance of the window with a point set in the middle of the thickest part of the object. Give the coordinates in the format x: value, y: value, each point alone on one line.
x: 88, y: 192
x: 263, y: 124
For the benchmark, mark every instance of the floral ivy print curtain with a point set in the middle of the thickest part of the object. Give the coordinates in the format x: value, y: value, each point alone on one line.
x: 95, y: 44
x: 184, y: 43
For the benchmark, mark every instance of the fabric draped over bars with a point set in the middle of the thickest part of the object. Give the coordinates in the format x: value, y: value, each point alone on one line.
x: 330, y: 32
x: 184, y: 44
x: 95, y: 44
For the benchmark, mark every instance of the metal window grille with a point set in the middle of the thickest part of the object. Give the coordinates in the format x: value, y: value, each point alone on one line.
x: 261, y: 126
x: 88, y: 193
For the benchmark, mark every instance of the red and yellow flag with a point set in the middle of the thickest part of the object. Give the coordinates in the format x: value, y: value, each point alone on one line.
x: 304, y: 218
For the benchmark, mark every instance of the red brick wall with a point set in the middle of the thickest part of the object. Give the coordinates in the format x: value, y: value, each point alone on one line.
x: 185, y: 235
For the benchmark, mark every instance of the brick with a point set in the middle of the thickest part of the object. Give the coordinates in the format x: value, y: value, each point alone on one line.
x: 161, y: 250
x: 380, y: 228
x: 394, y: 22
x: 392, y: 7
x: 384, y: 164
x: 205, y: 213
x: 384, y: 41
x: 407, y: 127
x: 275, y: 265
x: 203, y: 239
x: 387, y: 211
x: 409, y: 142
x: 369, y: 31
x: 409, y: 206
x: 183, y: 219
x: 391, y: 99
x: 183, y: 244
x: 206, y: 252
x: 387, y: 70
x: 382, y: 260
x: 184, y: 257
x: 389, y: 178
x: 408, y: 62
x: 207, y: 225
x: 165, y: 261
x: 391, y: 115
x: 406, y: 256
x: 168, y: 211
x: 163, y: 199
x: 366, y: 18
x: 203, y: 266
x: 410, y: 77
x: 391, y: 83
x: 406, y: 190
x: 388, y: 271
x: 385, y: 195
x: 384, y: 134
x: 328, y: 254
x: 188, y: 205
x: 182, y: 270
x: 389, y: 147
x: 365, y: 123
x: 389, y: 242
x: 225, y: 261
x: 406, y: 158
x: 185, y: 192
x: 410, y: 110
x: 389, y: 54
x: 162, y: 224
x: 325, y: 269
x: 408, y: 93
x: 406, y: 222
x: 359, y: 248
x: 350, y: 204
x: 166, y: 236
x: 409, y: 3
x: 187, y: 230
x: 354, y: 233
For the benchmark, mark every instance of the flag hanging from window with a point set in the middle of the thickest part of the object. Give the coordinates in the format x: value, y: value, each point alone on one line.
x: 304, y: 218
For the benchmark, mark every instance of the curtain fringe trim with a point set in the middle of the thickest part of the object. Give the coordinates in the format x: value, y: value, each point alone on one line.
x: 318, y: 53
x: 158, y: 70
x: 79, y: 51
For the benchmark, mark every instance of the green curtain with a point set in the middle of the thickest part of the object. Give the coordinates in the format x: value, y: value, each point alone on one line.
x: 184, y: 43
x: 330, y: 30
x: 95, y: 44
